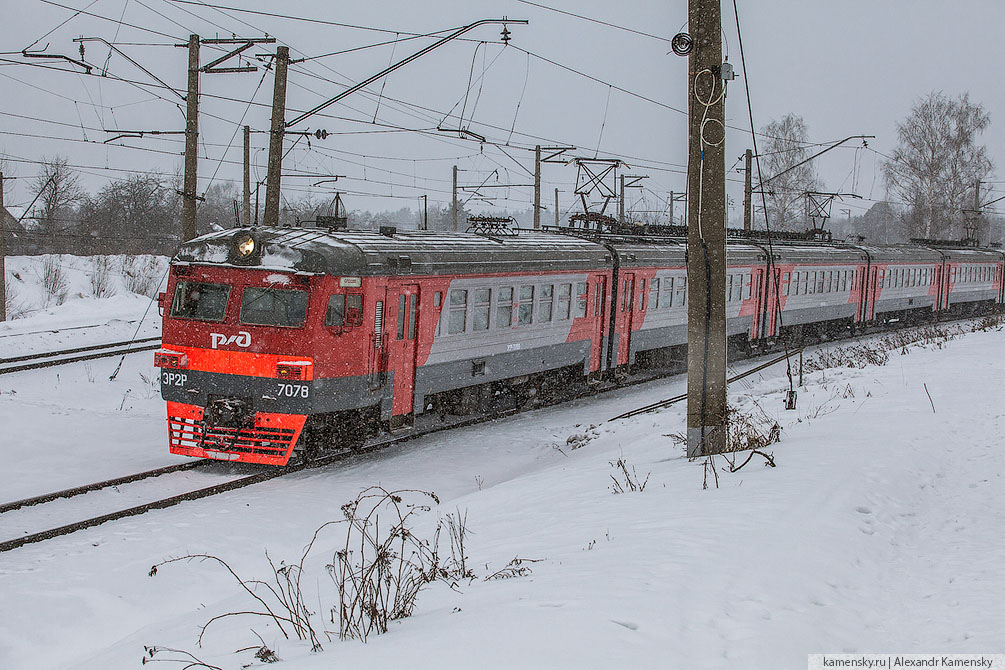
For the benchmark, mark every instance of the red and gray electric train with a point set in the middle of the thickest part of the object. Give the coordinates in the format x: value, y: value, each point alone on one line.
x: 276, y: 340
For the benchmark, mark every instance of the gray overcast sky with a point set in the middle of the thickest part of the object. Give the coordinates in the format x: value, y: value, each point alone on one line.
x: 847, y: 67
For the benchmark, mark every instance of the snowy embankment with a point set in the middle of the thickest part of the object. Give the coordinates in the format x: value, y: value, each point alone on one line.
x: 880, y: 529
x: 53, y: 301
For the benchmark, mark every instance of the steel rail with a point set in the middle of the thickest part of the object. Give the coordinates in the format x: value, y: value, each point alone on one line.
x: 96, y: 351
x: 97, y: 486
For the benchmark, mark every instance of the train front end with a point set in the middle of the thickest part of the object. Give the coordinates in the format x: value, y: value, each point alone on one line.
x: 236, y: 369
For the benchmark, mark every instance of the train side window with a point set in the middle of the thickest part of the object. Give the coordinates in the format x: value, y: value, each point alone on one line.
x: 504, y: 307
x: 581, y: 299
x: 344, y: 310
x: 458, y: 319
x: 666, y: 292
x: 598, y: 297
x: 785, y: 283
x: 682, y: 291
x: 804, y: 281
x: 564, y: 307
x: 642, y: 294
x: 482, y: 307
x: 525, y: 313
x: 747, y: 286
x: 545, y: 302
x: 401, y: 316
x: 821, y: 281
x: 729, y: 288
x: 795, y: 283
x: 335, y: 314
x: 654, y: 293
x: 354, y: 309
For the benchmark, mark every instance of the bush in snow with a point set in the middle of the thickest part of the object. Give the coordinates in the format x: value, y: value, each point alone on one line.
x: 141, y: 274
x: 101, y: 278
x: 378, y: 571
x: 15, y: 309
x: 54, y: 282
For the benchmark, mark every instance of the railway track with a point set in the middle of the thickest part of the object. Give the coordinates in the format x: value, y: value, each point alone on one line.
x: 61, y: 357
x: 379, y: 443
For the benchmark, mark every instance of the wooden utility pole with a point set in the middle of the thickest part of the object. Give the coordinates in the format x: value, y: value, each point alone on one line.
x: 247, y: 177
x: 537, y: 187
x: 556, y: 208
x: 747, y: 204
x: 706, y: 266
x: 453, y: 207
x: 190, y: 189
x: 276, y: 134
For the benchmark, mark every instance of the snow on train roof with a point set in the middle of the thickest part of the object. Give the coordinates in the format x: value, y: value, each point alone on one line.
x: 356, y: 252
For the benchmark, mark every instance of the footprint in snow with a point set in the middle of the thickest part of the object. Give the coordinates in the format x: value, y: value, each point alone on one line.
x: 627, y: 624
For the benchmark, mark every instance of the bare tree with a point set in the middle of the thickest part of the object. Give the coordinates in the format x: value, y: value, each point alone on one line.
x: 786, y: 145
x: 60, y: 193
x: 128, y: 214
x: 937, y: 162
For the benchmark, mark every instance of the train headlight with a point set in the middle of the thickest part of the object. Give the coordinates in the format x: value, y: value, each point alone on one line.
x: 245, y: 245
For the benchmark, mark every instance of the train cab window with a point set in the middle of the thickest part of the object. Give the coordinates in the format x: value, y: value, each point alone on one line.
x: 564, y: 306
x: 273, y: 307
x: 457, y: 320
x: 200, y: 301
x: 482, y: 308
x: 545, y: 303
x: 581, y: 300
x: 504, y: 307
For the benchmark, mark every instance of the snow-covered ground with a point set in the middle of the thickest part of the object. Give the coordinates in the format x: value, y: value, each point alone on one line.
x: 880, y: 530
x: 55, y: 301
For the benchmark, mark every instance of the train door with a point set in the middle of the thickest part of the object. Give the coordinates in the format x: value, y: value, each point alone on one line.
x: 760, y: 315
x: 401, y: 348
x: 938, y: 288
x: 623, y: 320
x: 599, y: 323
x: 872, y: 293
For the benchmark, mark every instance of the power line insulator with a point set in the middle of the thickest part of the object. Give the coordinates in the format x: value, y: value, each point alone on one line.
x: 681, y: 44
x: 321, y: 134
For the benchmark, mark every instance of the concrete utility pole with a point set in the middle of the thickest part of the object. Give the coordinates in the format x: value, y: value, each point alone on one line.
x: 190, y: 189
x: 706, y: 267
x: 246, y: 214
x: 453, y: 207
x: 621, y: 201
x: 3, y: 256
x: 425, y: 212
x: 556, y: 208
x: 278, y: 130
x: 537, y: 187
x: 746, y: 189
